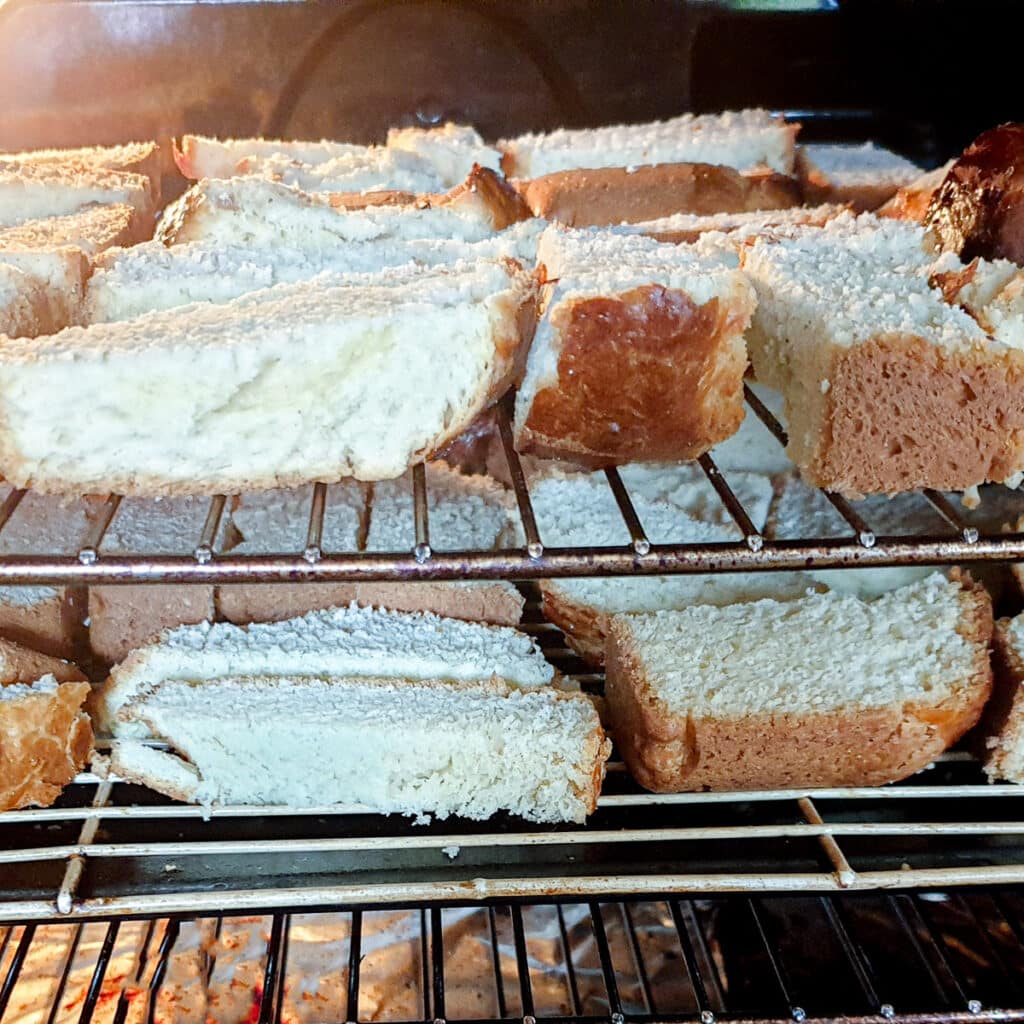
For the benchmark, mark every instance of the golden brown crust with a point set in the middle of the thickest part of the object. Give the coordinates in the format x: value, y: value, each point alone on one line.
x: 903, y: 413
x: 45, y: 739
x: 818, y: 188
x: 20, y: 664
x: 613, y: 195
x: 585, y: 628
x: 494, y: 604
x: 123, y: 618
x: 1002, y: 728
x: 669, y: 752
x: 684, y: 364
x: 505, y: 204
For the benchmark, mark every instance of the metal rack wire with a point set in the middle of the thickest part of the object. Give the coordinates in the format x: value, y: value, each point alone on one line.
x: 110, y: 849
x: 920, y: 958
x: 964, y: 544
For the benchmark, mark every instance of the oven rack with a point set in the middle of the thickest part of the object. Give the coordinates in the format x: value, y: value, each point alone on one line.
x: 921, y: 958
x: 310, y: 563
x: 109, y: 849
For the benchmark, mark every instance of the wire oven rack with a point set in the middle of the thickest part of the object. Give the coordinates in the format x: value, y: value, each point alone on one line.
x: 964, y: 544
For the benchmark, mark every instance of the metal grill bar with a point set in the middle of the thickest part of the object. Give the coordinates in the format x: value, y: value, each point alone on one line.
x: 354, y: 960
x: 855, y: 957
x: 751, y: 534
x: 421, y: 513
x: 844, y: 873
x: 690, y: 959
x: 65, y: 973
x: 534, y: 547
x: 7, y: 509
x: 76, y: 860
x: 499, y: 981
x: 96, y: 984
x: 638, y: 959
x: 94, y: 537
x: 167, y: 941
x: 272, y: 992
x: 570, y: 967
x: 11, y: 978
x: 779, y: 971
x: 204, y: 549
x: 607, y: 967
x: 641, y: 545
x: 522, y: 964
x: 437, y: 964
x: 315, y: 530
x: 937, y: 943
x: 944, y: 507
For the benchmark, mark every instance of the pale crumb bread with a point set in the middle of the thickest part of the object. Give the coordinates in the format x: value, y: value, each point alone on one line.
x: 638, y: 353
x: 864, y: 175
x: 991, y: 291
x: 25, y: 306
x: 93, y: 229
x: 911, y: 202
x: 689, y: 227
x: 125, y: 617
x: 674, y: 506
x: 47, y: 619
x: 612, y: 195
x: 422, y: 746
x: 888, y: 387
x: 45, y: 737
x: 256, y: 213
x: 58, y: 277
x: 143, y: 278
x: 449, y: 151
x: 142, y: 158
x: 350, y: 641
x: 743, y: 139
x: 824, y: 691
x: 800, y: 512
x: 299, y: 383
x: 1003, y: 724
x: 31, y: 191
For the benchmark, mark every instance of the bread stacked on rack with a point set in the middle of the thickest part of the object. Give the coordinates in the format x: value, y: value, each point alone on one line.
x: 404, y: 713
x: 332, y: 313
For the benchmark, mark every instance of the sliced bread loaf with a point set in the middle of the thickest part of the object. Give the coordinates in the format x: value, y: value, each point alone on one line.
x: 130, y: 282
x: 638, y: 354
x: 887, y: 386
x: 911, y: 201
x: 865, y: 175
x: 339, y: 642
x: 742, y: 139
x: 253, y: 212
x: 577, y: 510
x: 305, y: 382
x: 689, y: 227
x: 30, y: 190
x: 45, y: 737
x: 46, y: 619
x: 141, y: 158
x: 93, y: 229
x: 611, y: 195
x: 1003, y: 724
x: 25, y: 304
x: 424, y: 746
x: 827, y: 690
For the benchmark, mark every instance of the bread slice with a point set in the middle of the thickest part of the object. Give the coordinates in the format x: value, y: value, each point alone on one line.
x: 911, y: 202
x: 613, y: 195
x: 25, y: 304
x: 93, y: 229
x: 130, y: 282
x: 125, y: 617
x: 865, y: 175
x: 45, y: 738
x: 825, y: 691
x: 1003, y: 724
x: 638, y: 354
x: 60, y: 275
x: 429, y: 746
x: 252, y: 212
x: 887, y: 386
x: 991, y: 291
x: 339, y: 642
x: 674, y: 506
x: 306, y: 382
x: 448, y: 152
x: 45, y: 619
x: 142, y: 158
x: 744, y: 139
x: 801, y: 512
x: 276, y: 522
x: 32, y: 190
x: 741, y: 227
